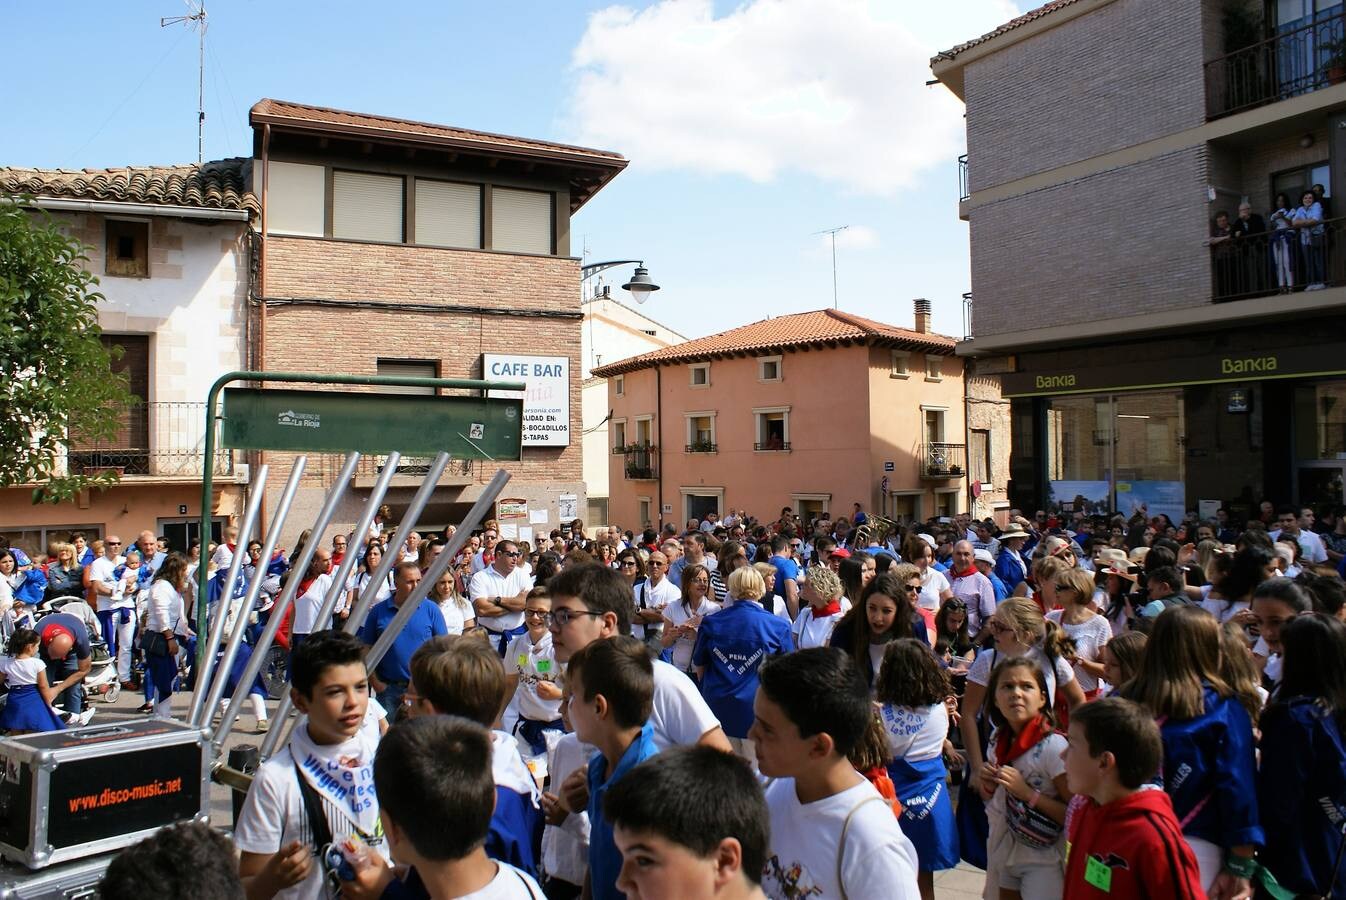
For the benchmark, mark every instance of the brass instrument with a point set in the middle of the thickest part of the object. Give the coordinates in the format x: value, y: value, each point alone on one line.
x: 875, y: 528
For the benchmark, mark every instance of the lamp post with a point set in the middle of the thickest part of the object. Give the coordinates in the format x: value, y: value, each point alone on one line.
x: 640, y: 284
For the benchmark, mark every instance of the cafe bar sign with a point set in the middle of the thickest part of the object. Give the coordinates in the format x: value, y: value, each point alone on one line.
x: 1297, y: 362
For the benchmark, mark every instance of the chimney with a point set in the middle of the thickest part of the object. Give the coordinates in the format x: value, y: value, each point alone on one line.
x: 922, y: 315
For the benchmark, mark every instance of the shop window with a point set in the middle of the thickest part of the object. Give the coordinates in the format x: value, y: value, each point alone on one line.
x: 128, y: 248
x: 1320, y: 420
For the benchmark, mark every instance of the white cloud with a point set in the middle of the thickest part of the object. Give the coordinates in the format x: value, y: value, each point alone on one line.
x: 831, y: 88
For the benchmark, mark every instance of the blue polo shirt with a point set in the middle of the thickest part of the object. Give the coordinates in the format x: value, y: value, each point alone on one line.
x: 425, y: 623
x: 731, y: 645
x: 605, y: 860
x: 785, y: 568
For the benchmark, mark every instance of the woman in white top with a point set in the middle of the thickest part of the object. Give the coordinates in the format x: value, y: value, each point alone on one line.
x: 681, y: 619
x: 934, y: 586
x: 814, y: 625
x: 360, y: 580
x: 457, y: 612
x: 1087, y: 629
x: 166, y: 617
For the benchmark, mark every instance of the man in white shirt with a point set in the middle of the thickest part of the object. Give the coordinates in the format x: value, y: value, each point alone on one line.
x: 832, y: 833
x: 112, y: 606
x: 652, y: 596
x: 973, y: 588
x: 1310, y: 545
x: 498, y: 594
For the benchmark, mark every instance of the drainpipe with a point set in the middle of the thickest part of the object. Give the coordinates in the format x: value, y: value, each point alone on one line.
x: 261, y: 282
x: 967, y: 434
x: 659, y: 433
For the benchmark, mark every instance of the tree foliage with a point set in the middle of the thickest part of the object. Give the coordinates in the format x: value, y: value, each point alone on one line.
x: 56, y: 376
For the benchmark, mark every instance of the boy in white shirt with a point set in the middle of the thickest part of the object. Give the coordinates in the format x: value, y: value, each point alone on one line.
x: 533, y: 674
x: 832, y: 834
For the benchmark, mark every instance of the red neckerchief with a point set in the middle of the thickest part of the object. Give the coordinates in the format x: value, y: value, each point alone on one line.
x: 970, y: 571
x: 831, y: 609
x: 232, y: 547
x: 305, y: 584
x: 1007, y: 750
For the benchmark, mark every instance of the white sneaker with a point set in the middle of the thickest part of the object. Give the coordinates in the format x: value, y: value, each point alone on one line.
x: 78, y: 720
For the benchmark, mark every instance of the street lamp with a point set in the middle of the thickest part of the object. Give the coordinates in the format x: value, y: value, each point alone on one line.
x: 640, y: 284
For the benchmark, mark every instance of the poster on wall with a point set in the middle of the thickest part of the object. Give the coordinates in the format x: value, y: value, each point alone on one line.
x: 546, y: 400
x: 512, y: 508
x: 567, y: 507
x: 1088, y: 497
x: 1153, y: 498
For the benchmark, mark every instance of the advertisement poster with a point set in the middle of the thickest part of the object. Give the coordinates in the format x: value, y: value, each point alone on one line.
x: 546, y: 401
x: 1153, y: 498
x: 513, y: 508
x: 1089, y: 497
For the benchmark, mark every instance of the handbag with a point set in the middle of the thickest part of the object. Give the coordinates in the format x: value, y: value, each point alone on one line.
x: 155, y: 644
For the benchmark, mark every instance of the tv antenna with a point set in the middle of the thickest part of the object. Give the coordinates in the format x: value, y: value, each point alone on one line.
x: 196, y: 20
x: 833, y: 233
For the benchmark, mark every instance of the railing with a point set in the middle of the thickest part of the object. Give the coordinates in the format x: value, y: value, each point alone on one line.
x: 372, y: 466
x: 641, y: 462
x: 771, y: 445
x: 1279, y: 261
x: 1296, y: 61
x: 963, y: 192
x: 163, y: 440
x: 702, y: 447
x: 940, y: 460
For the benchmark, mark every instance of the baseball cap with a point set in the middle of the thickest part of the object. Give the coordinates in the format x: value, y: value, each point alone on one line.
x: 983, y: 556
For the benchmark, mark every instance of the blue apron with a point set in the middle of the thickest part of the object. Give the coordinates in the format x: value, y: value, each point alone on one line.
x: 927, y: 813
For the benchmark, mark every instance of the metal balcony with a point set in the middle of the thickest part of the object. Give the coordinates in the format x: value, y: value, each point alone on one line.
x: 783, y: 446
x: 1293, y: 62
x: 152, y: 440
x: 702, y: 447
x: 943, y: 460
x: 640, y: 462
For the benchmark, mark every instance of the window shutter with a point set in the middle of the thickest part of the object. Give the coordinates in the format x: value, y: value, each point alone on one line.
x: 367, y: 207
x: 448, y: 214
x: 521, y: 221
x: 406, y: 370
x: 294, y: 199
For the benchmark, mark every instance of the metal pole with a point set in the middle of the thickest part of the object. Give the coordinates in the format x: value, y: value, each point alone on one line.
x: 205, y: 661
x: 437, y: 568
x: 329, y: 603
x: 283, y: 602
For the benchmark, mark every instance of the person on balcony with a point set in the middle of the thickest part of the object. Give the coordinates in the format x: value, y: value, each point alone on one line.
x: 1283, y: 244
x: 1222, y: 255
x: 1308, y: 219
x: 1249, y: 233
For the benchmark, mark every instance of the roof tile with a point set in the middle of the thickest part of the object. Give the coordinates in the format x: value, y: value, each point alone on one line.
x: 219, y: 184
x: 1030, y: 16
x: 785, y: 332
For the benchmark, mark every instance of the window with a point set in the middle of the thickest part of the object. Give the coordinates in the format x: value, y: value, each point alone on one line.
x: 768, y: 368
x: 700, y: 432
x: 448, y: 214
x: 810, y: 506
x: 934, y: 425
x: 182, y: 531
x: 905, y: 506
x: 521, y: 221
x: 128, y: 248
x: 645, y: 431
x: 934, y: 367
x: 295, y: 198
x: 128, y: 448
x: 618, y: 435
x: 407, y: 368
x: 946, y: 503
x: 772, y: 428
x: 619, y: 385
x: 367, y: 207
x: 35, y: 539
x: 979, y: 456
x: 899, y: 364
x: 699, y: 374
x: 1294, y: 182
x: 642, y: 511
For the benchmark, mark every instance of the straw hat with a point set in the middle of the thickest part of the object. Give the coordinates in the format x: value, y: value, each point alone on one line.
x: 1109, y: 555
x: 1012, y: 531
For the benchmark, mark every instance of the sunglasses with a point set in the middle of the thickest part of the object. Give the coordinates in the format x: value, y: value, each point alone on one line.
x: 631, y: 564
x: 511, y: 553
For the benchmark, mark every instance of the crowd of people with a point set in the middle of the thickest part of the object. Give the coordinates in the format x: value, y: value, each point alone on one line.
x: 1081, y: 706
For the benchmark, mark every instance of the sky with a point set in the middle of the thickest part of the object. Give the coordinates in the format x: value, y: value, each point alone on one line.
x: 750, y: 127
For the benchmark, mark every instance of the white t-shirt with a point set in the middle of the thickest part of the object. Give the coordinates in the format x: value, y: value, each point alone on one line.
x: 1089, y: 638
x: 309, y: 604
x: 806, y: 853
x: 1274, y: 663
x: 810, y: 631
x: 980, y: 671
x: 915, y: 733
x: 657, y: 596
x: 100, y: 570
x: 166, y: 609
x: 933, y: 583
x: 533, y: 663
x: 679, y: 714
x: 19, y: 672
x: 223, y: 557
x: 1040, y: 767
x: 677, y: 615
x: 489, y: 583
x: 1222, y: 609
x: 565, y: 847
x: 455, y: 614
x: 1310, y: 545
x: 508, y: 884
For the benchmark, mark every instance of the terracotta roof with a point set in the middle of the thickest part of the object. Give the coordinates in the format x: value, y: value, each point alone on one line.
x: 297, y: 113
x: 811, y: 329
x: 220, y: 184
x: 1030, y: 16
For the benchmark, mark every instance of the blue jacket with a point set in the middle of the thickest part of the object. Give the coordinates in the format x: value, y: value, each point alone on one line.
x: 1209, y: 762
x: 1008, y: 571
x: 605, y: 860
x: 1301, y: 792
x: 731, y: 645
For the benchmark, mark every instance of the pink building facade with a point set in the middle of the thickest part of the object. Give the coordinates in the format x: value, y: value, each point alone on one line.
x: 816, y: 411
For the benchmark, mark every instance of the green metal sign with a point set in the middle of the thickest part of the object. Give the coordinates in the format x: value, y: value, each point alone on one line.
x: 337, y: 422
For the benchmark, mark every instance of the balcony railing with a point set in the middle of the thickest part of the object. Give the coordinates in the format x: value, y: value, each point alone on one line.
x: 702, y: 447
x: 1295, y: 61
x: 943, y: 460
x: 640, y: 462
x: 415, y: 468
x: 155, y: 440
x: 1279, y: 261
x: 963, y: 192
x: 772, y: 445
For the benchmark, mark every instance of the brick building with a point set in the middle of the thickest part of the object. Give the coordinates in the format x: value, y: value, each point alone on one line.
x: 815, y: 411
x: 1146, y: 363
x: 396, y: 247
